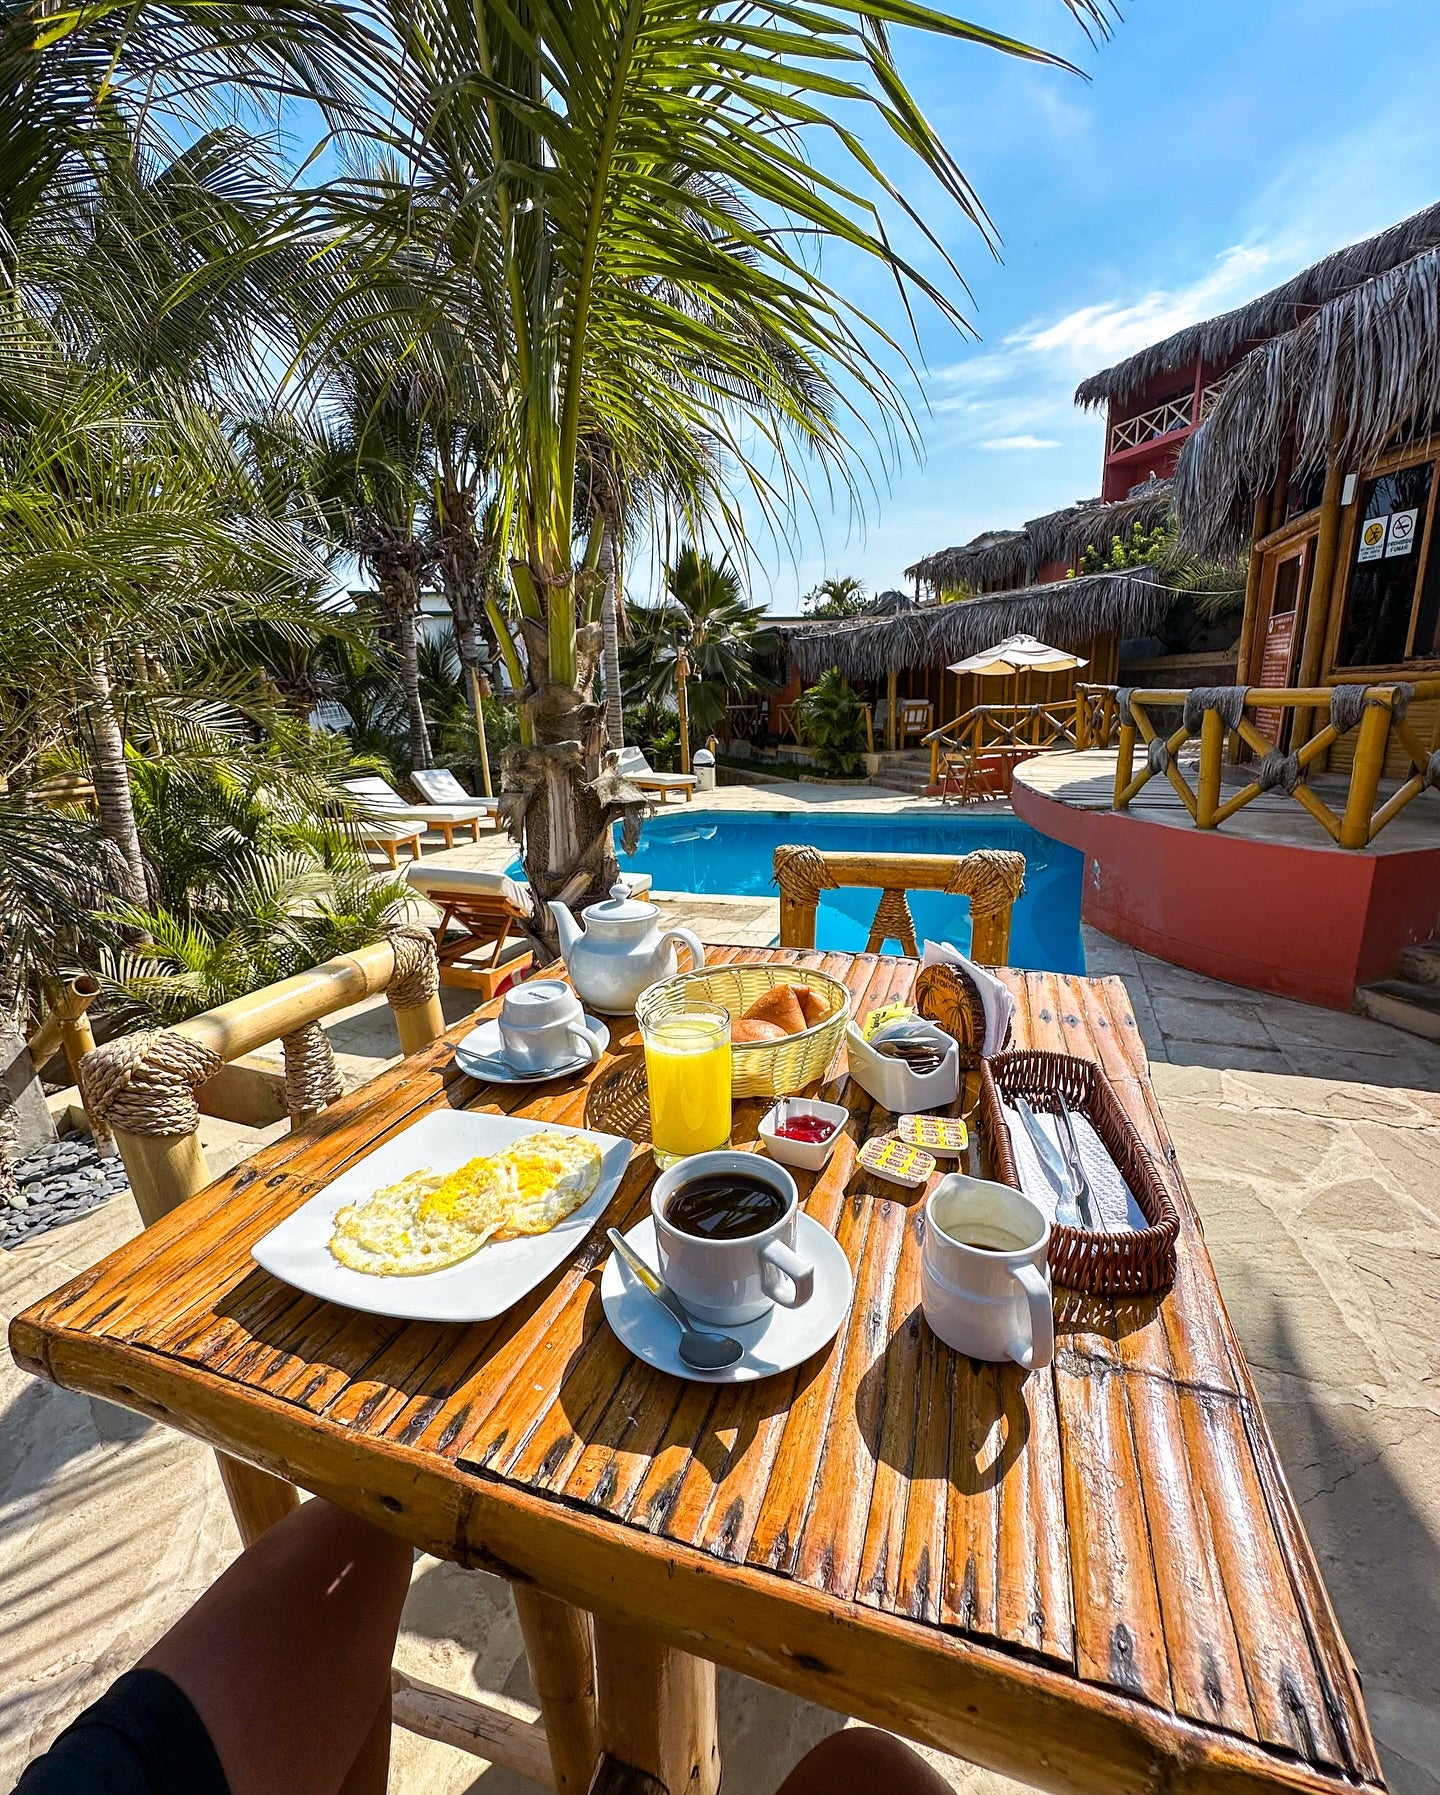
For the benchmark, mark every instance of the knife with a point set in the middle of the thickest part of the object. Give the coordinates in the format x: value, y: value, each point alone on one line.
x: 1076, y: 1165
x: 1052, y: 1163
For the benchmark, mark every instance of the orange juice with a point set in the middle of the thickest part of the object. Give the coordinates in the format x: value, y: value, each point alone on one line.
x: 687, y: 1066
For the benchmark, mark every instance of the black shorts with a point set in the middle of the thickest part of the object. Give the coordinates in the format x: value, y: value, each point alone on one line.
x: 141, y: 1738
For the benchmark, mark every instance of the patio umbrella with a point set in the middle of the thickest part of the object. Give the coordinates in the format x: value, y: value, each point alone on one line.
x: 1015, y: 653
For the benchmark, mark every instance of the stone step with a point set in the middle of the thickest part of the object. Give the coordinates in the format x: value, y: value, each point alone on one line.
x: 1402, y: 1003
x: 1420, y: 964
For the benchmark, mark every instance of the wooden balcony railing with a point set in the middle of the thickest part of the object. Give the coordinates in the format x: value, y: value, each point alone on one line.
x: 1006, y: 729
x: 1097, y: 718
x: 1145, y: 426
x: 1218, y: 715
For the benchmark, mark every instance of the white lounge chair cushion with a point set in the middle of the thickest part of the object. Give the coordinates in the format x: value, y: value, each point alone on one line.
x: 436, y: 881
x: 440, y: 786
x: 633, y: 764
x: 384, y: 801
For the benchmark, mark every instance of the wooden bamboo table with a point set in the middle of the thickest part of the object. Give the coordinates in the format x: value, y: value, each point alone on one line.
x: 1093, y: 1578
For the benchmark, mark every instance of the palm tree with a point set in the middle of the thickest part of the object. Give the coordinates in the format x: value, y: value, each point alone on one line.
x: 623, y: 197
x: 839, y: 595
x: 705, y: 614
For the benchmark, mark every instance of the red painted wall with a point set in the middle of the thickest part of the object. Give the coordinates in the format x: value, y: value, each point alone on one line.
x: 1307, y: 923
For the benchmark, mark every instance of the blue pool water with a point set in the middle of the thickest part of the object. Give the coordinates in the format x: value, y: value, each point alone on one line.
x: 734, y: 854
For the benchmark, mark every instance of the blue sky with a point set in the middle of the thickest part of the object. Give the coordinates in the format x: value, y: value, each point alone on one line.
x: 1218, y: 146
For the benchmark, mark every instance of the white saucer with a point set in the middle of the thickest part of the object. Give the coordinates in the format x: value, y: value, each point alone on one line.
x: 482, y: 1055
x: 777, y: 1342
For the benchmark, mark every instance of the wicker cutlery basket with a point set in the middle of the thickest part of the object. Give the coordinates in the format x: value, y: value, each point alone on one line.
x: 1095, y: 1261
x: 758, y: 1068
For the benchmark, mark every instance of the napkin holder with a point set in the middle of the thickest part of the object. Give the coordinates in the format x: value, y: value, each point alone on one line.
x: 894, y: 1084
x: 946, y: 995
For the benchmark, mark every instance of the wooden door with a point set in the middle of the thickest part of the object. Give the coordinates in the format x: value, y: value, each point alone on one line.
x: 1284, y: 590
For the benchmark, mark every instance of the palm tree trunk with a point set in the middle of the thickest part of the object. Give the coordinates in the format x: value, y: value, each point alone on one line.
x: 111, y: 777
x: 420, y: 750
x: 610, y: 628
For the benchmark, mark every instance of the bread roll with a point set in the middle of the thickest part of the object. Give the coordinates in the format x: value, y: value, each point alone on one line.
x: 812, y: 1003
x: 780, y: 1006
x: 749, y: 1034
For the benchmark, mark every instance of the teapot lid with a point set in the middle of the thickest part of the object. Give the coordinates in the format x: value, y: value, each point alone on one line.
x: 620, y: 907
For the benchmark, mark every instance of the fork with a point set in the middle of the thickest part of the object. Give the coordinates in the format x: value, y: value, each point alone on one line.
x: 1075, y: 1165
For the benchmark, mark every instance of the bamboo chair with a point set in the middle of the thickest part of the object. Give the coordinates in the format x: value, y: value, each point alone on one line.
x: 992, y: 879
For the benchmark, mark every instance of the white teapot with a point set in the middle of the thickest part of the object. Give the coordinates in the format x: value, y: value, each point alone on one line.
x: 620, y: 950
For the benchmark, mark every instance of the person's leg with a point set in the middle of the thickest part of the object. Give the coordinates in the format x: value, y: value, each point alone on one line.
x: 861, y: 1758
x: 286, y: 1658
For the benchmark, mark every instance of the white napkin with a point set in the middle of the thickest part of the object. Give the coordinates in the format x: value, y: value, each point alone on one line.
x: 1118, y: 1212
x: 995, y: 998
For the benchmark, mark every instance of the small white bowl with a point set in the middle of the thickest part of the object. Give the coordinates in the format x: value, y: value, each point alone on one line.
x: 809, y: 1156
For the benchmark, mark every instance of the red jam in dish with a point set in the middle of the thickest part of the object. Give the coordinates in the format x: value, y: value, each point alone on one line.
x: 805, y: 1128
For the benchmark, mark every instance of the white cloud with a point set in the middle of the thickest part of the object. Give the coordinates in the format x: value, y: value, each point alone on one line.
x: 1002, y: 444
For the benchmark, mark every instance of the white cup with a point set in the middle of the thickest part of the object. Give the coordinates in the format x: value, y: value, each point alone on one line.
x: 542, y: 1024
x: 728, y: 1282
x: 984, y: 1279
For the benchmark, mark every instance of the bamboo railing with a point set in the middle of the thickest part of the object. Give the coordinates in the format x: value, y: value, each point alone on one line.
x: 1006, y: 728
x: 1224, y: 716
x: 1097, y: 718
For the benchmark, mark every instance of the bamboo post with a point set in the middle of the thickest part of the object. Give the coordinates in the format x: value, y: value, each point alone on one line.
x: 1212, y: 755
x: 477, y: 696
x: 414, y: 989
x: 682, y: 703
x: 1258, y: 521
x: 1317, y: 604
x: 1082, y: 720
x: 560, y: 1650
x: 144, y: 1086
x: 657, y: 1709
x: 1365, y: 771
x: 1124, y: 759
x: 892, y: 702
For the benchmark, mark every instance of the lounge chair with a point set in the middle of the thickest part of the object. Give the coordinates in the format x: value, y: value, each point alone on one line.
x: 439, y: 786
x: 387, y: 809
x: 481, y: 913
x: 634, y: 766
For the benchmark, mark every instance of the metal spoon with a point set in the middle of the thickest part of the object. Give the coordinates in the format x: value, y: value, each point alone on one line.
x: 703, y: 1349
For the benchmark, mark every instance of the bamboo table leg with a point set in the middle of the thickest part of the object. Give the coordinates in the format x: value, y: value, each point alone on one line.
x: 257, y: 1500
x: 560, y: 1649
x: 657, y: 1709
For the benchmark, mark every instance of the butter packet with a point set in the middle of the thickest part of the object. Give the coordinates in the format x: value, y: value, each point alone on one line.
x: 936, y: 1134
x: 892, y: 1159
x: 884, y: 1017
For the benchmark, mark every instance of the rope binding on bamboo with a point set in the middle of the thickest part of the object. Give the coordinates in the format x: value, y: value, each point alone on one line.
x: 145, y: 1083
x: 1158, y: 757
x: 1228, y: 703
x: 1430, y: 772
x: 312, y: 1079
x: 992, y: 879
x: 893, y: 922
x: 416, y: 978
x: 801, y: 874
x: 1275, y: 768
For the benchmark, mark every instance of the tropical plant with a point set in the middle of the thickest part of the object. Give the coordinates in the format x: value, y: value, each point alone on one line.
x: 705, y: 614
x: 838, y: 595
x: 622, y: 199
x: 832, y: 722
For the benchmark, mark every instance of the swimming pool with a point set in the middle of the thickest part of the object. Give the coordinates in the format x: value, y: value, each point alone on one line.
x: 733, y: 853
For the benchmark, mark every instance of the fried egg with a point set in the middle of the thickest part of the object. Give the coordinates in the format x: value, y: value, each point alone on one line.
x: 428, y: 1221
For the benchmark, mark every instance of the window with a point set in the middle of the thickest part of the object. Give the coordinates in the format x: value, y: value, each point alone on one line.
x: 1386, y: 593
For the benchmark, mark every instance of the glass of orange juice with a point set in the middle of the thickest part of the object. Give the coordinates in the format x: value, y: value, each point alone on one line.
x: 687, y: 1066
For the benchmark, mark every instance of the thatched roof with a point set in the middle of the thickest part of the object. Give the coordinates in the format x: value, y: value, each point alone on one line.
x: 1001, y: 559
x: 1217, y: 340
x: 1360, y: 373
x: 1065, y: 613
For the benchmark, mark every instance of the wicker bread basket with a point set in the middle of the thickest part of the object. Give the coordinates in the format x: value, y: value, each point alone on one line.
x: 759, y: 1068
x: 1091, y: 1260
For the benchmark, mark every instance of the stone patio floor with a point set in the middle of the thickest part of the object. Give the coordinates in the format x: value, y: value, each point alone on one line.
x: 1311, y: 1141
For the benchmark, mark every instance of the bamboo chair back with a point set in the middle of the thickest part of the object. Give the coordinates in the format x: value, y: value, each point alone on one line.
x: 992, y: 879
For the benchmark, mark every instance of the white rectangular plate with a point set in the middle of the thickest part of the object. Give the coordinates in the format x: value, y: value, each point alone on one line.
x: 482, y: 1286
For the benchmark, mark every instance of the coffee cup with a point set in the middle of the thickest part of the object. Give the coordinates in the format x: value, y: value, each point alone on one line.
x: 728, y: 1256
x: 984, y: 1279
x: 542, y: 1025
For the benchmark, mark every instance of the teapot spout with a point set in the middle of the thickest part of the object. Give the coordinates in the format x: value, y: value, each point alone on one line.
x: 566, y: 927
